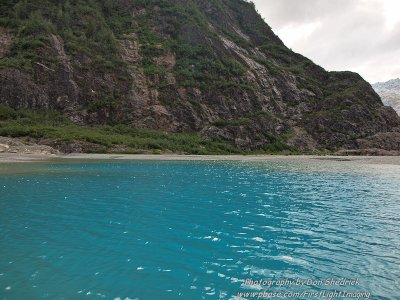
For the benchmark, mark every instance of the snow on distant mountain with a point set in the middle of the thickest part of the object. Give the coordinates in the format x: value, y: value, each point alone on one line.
x: 389, y: 92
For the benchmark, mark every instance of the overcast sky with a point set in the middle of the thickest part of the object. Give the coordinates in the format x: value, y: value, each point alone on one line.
x: 357, y: 35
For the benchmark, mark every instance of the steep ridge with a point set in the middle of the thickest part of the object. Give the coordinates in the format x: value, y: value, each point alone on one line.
x: 213, y: 67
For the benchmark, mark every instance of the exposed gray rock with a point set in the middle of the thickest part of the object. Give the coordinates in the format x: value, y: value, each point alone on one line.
x: 389, y: 91
x: 24, y: 146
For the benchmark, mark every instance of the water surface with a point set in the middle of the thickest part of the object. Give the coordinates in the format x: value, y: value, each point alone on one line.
x: 104, y: 229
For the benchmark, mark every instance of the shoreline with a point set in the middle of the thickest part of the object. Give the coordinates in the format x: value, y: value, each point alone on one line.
x: 21, y: 158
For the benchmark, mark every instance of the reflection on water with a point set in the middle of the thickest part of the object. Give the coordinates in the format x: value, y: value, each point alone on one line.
x: 195, y: 230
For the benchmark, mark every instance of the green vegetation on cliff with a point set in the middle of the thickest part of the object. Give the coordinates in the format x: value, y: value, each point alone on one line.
x: 94, y: 27
x: 119, y: 138
x: 81, y: 24
x: 51, y: 126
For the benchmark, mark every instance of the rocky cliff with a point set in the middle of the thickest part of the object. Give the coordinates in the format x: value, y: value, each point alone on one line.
x: 213, y: 67
x: 389, y: 91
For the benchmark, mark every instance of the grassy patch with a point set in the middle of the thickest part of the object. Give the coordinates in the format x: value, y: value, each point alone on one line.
x: 277, y: 145
x: 54, y: 126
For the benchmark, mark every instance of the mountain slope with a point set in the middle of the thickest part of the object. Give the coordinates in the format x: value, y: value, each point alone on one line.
x: 389, y: 91
x: 212, y: 67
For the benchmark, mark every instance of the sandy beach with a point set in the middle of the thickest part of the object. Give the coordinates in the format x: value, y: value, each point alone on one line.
x: 18, y: 157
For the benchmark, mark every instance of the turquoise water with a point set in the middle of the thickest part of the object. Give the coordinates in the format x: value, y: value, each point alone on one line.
x: 197, y: 230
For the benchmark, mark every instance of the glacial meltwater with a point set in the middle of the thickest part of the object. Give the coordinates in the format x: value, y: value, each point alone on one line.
x: 164, y: 230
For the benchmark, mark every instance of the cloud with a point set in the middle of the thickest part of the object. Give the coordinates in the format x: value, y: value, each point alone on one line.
x: 358, y: 35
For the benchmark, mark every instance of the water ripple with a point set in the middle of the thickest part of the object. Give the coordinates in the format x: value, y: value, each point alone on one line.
x: 195, y: 230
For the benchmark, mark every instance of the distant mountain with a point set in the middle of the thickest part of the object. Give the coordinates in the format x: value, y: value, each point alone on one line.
x: 389, y: 92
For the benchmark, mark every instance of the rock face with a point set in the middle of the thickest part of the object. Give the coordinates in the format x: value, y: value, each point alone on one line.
x: 389, y: 92
x: 212, y: 67
x: 24, y: 146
